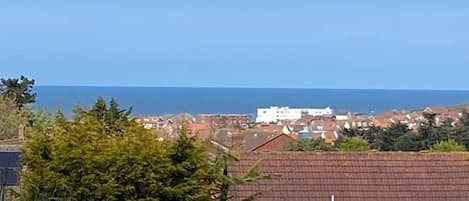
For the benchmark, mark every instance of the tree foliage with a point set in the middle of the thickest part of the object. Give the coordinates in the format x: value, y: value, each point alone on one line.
x: 370, y: 134
x: 447, y: 146
x: 408, y: 142
x: 398, y: 137
x: 390, y: 136
x: 10, y: 119
x: 188, y: 166
x: 81, y: 160
x: 19, y: 90
x: 430, y: 133
x: 353, y: 144
x: 309, y: 145
x: 102, y: 154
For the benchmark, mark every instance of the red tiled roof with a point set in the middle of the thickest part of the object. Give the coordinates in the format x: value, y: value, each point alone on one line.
x: 399, y: 117
x: 316, y: 176
x: 268, y: 128
x: 381, y: 122
x: 197, y: 127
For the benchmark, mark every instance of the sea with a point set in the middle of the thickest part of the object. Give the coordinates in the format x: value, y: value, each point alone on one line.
x: 173, y: 100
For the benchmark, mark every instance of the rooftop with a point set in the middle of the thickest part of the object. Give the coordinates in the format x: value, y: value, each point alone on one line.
x: 316, y: 176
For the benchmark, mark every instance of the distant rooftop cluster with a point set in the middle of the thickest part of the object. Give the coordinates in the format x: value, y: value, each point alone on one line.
x: 276, y: 126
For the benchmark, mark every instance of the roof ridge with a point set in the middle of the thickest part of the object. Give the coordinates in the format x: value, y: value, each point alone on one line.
x: 270, y: 140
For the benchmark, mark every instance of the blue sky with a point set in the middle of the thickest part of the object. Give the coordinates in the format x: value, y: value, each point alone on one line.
x: 401, y: 44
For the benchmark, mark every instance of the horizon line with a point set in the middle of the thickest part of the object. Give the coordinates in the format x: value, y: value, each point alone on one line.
x: 238, y: 87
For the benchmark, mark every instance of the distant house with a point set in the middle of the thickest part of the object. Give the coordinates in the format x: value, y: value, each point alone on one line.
x: 197, y: 129
x: 250, y: 140
x: 149, y: 122
x: 309, y: 127
x: 224, y: 120
x: 276, y: 143
x: 316, y: 176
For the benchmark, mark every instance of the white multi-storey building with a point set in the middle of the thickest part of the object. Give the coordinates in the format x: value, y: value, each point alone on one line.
x: 275, y: 113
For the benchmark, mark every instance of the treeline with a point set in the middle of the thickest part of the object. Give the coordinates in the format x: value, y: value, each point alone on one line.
x: 448, y: 136
x: 398, y: 137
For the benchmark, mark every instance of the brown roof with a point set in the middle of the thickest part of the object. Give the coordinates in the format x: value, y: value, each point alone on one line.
x: 316, y: 176
x: 200, y: 130
x: 382, y: 122
x: 251, y: 139
x: 275, y: 144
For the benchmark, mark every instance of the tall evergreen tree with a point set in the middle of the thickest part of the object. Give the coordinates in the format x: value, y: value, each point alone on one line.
x: 429, y: 132
x: 389, y: 136
x: 18, y: 90
x: 111, y: 117
x: 408, y: 142
x: 188, y: 166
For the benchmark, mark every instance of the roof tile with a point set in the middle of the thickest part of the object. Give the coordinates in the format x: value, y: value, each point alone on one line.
x: 357, y: 176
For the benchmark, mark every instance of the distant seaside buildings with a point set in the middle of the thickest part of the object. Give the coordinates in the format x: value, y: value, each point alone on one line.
x: 275, y: 113
x: 276, y: 126
x: 224, y: 120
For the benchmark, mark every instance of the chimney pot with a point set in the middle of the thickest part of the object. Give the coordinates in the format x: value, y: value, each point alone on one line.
x: 21, y: 131
x: 237, y: 141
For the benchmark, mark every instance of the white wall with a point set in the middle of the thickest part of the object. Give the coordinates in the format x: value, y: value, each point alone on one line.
x: 341, y: 117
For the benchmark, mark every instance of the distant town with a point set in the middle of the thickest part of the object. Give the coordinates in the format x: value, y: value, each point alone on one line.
x: 290, y: 123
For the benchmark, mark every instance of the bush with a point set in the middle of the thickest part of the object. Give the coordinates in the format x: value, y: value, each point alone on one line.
x: 353, y: 144
x: 104, y: 155
x: 447, y: 146
x: 310, y: 145
x: 408, y: 142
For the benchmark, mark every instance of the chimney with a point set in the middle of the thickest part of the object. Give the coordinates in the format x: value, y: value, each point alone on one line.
x: 237, y: 139
x: 21, y: 131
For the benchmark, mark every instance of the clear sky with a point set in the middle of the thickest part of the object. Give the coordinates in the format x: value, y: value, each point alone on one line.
x: 404, y: 44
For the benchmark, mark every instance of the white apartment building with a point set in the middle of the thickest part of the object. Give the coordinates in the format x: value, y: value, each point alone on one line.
x: 275, y: 113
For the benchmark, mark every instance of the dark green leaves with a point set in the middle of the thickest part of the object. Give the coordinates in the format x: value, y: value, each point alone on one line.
x: 19, y: 90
